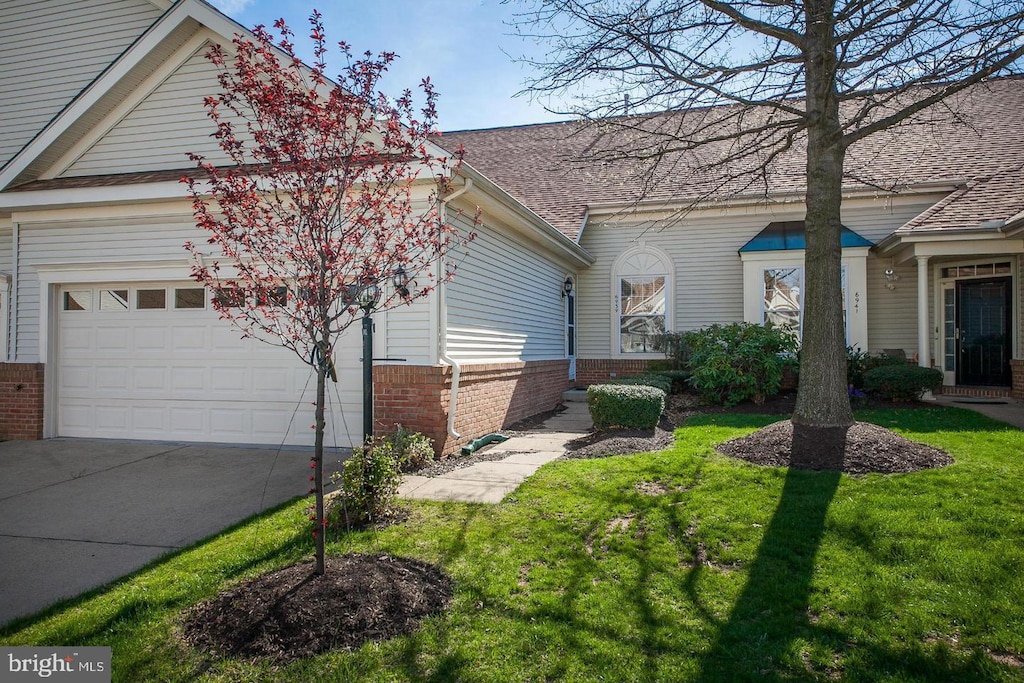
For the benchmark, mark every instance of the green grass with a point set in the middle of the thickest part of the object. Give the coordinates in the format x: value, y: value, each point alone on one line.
x: 736, y: 573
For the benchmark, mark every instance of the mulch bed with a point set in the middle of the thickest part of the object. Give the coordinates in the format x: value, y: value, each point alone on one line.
x: 291, y: 613
x: 861, y: 449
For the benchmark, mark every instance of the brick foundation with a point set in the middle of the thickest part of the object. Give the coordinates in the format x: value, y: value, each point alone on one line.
x: 21, y: 401
x: 1017, y: 371
x: 491, y: 396
x: 597, y: 370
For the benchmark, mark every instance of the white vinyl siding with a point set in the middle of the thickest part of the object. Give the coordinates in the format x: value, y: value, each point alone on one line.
x: 90, y: 242
x: 708, y: 273
x: 505, y: 302
x: 407, y: 336
x: 52, y: 49
x: 159, y: 133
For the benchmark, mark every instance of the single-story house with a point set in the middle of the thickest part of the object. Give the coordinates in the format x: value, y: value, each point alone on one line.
x: 571, y: 277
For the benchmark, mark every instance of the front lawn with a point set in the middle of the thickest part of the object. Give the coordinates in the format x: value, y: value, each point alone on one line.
x: 682, y: 565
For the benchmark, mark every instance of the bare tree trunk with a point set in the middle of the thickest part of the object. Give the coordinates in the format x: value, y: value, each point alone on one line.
x: 318, y: 470
x: 822, y: 399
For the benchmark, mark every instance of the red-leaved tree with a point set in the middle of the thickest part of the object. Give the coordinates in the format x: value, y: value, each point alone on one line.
x: 331, y: 194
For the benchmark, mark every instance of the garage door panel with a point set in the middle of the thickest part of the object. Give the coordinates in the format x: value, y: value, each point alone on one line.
x: 110, y: 418
x: 75, y: 377
x: 149, y: 421
x: 186, y: 375
x: 151, y: 378
x: 189, y: 338
x: 189, y: 379
x: 111, y: 378
x: 112, y: 339
x: 150, y: 339
x: 186, y: 420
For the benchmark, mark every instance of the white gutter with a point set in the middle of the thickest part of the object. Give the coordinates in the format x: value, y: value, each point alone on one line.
x: 442, y: 319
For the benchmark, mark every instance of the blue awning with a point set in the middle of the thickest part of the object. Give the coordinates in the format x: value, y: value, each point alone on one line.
x: 786, y: 235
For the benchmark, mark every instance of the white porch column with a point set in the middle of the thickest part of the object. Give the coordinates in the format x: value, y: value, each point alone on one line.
x: 924, y: 336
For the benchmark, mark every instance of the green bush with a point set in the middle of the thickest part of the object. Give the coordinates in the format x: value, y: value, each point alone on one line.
x: 677, y: 352
x: 412, y: 449
x: 901, y: 382
x: 739, y: 361
x: 859, y: 362
x: 368, y: 484
x: 634, y: 406
x: 655, y: 380
x: 679, y: 378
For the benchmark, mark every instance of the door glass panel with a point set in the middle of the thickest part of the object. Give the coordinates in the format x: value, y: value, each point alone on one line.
x: 949, y: 329
x: 78, y: 300
x: 113, y: 299
x: 193, y: 297
x: 150, y: 299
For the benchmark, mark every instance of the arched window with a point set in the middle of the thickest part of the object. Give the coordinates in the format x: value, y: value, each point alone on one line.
x: 642, y: 291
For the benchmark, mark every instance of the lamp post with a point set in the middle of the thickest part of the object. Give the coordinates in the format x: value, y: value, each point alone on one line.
x: 367, y: 299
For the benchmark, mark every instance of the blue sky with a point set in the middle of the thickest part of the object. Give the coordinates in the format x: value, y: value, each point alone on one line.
x: 462, y: 45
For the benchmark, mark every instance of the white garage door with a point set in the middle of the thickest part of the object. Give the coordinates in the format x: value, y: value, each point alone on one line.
x: 154, y: 361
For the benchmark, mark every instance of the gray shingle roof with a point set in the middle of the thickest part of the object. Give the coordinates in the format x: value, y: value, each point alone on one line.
x: 974, y: 135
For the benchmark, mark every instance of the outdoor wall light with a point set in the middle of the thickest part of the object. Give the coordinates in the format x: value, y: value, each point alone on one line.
x: 401, y: 282
x: 891, y: 277
x: 567, y: 287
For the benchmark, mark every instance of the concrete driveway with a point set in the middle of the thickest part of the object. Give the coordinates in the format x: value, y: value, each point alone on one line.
x: 76, y: 513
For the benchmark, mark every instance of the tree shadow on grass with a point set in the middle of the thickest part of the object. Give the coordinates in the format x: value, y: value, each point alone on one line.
x: 772, y: 609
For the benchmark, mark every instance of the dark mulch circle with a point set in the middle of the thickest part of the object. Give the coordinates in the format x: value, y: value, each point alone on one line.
x: 291, y: 613
x: 620, y: 441
x: 860, y: 449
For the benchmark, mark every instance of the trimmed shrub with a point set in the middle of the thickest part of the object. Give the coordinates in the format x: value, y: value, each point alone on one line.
x: 859, y: 362
x: 901, y: 382
x: 655, y: 380
x: 738, y: 362
x: 635, y: 406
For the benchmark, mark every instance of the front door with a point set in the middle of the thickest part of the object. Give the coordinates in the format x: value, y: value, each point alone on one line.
x: 983, y: 321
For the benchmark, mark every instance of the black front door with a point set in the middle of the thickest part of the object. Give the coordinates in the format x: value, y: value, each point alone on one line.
x: 983, y: 322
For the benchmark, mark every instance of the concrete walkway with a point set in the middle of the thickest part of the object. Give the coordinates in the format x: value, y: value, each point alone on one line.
x: 489, y: 482
x: 1008, y: 410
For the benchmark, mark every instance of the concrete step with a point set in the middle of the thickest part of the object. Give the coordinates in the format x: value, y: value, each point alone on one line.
x: 575, y: 396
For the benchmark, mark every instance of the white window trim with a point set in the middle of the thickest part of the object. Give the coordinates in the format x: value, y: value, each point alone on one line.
x: 854, y: 261
x: 620, y: 269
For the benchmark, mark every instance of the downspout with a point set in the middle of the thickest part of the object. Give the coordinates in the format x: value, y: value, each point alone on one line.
x: 6, y: 277
x: 12, y: 331
x: 442, y: 319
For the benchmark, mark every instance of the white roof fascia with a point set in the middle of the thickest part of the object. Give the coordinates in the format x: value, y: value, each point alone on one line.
x: 161, y: 29
x: 746, y: 200
x: 541, y: 229
x: 86, y: 196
